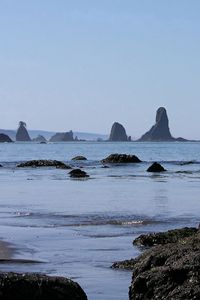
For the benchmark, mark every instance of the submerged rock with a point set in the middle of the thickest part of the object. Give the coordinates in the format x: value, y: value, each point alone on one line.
x: 4, y: 138
x: 118, y: 133
x: 155, y: 167
x: 44, y: 163
x: 78, y: 173
x: 22, y: 133
x: 80, y: 157
x: 62, y: 137
x: 160, y: 131
x: 162, y: 238
x: 38, y: 287
x: 121, y: 158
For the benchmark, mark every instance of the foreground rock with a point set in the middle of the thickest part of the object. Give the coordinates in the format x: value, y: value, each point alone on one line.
x: 80, y: 157
x: 78, y: 173
x: 4, y: 138
x: 162, y: 238
x: 118, y: 133
x: 155, y: 167
x: 121, y: 158
x: 22, y: 133
x: 38, y: 287
x: 169, y: 271
x: 44, y: 163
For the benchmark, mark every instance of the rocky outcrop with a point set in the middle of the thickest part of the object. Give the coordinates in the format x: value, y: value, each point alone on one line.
x: 5, y: 138
x: 78, y: 173
x: 44, y: 163
x: 80, y: 157
x: 40, y: 139
x: 156, y: 168
x: 160, y: 131
x: 62, y: 137
x: 121, y: 158
x: 38, y: 287
x: 22, y: 133
x: 118, y: 133
x: 162, y: 238
x: 170, y: 270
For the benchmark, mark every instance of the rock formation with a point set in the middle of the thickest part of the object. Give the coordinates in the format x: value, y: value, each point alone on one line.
x: 39, y: 139
x: 22, y: 133
x: 79, y: 157
x: 35, y: 286
x: 168, y: 270
x: 156, y: 167
x: 78, y: 173
x: 121, y: 158
x: 43, y: 163
x: 160, y: 131
x: 5, y: 138
x: 62, y: 137
x: 118, y: 133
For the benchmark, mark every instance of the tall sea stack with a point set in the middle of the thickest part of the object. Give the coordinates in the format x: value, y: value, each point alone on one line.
x: 160, y: 131
x: 22, y: 133
x: 118, y: 133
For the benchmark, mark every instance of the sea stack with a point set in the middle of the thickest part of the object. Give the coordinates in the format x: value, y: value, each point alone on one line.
x: 22, y: 133
x: 62, y: 137
x: 4, y: 138
x: 118, y: 133
x: 160, y: 131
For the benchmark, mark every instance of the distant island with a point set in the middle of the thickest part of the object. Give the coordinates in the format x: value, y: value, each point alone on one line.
x: 159, y: 132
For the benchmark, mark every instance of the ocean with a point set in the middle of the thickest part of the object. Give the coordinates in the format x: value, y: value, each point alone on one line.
x: 78, y: 228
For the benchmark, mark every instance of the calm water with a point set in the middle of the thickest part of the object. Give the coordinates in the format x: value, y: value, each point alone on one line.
x: 78, y: 228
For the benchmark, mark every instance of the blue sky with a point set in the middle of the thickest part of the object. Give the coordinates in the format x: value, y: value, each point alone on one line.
x: 83, y: 64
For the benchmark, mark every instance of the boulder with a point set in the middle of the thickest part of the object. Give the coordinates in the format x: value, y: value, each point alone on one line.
x: 78, y: 173
x: 44, y: 163
x: 155, y: 167
x: 4, y: 138
x: 118, y: 133
x: 38, y: 287
x: 22, y: 133
x: 160, y: 131
x: 62, y: 137
x: 167, y: 271
x: 80, y: 157
x: 162, y: 238
x: 121, y: 158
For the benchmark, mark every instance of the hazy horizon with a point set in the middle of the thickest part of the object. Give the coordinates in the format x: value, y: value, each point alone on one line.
x: 83, y: 65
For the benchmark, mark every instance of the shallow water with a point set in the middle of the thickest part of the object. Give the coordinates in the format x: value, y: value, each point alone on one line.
x: 78, y: 228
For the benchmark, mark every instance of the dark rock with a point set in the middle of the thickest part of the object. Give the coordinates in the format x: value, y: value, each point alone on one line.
x: 38, y: 287
x: 167, y: 271
x: 5, y: 138
x: 160, y: 131
x: 105, y: 167
x: 44, y: 163
x: 118, y: 133
x: 22, y: 133
x: 78, y: 173
x: 121, y: 158
x: 1, y: 166
x: 62, y: 137
x: 162, y: 238
x: 40, y: 139
x: 155, y: 167
x: 79, y: 158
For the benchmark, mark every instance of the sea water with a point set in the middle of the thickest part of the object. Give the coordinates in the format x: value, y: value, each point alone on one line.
x: 78, y: 228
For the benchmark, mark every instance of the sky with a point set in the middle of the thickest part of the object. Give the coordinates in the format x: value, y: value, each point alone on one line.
x: 84, y: 64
